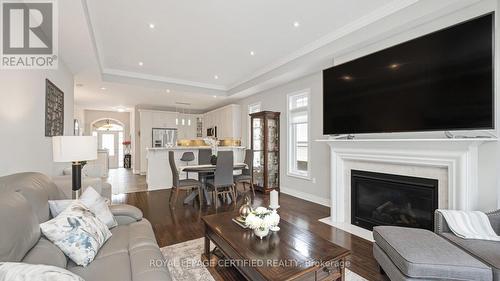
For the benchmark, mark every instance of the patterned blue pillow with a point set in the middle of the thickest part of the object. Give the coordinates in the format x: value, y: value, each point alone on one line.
x: 77, y: 232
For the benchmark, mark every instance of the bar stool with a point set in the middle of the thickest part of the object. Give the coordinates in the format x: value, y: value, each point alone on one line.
x: 187, y: 157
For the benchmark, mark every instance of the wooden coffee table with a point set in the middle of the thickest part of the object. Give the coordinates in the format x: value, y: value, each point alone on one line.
x: 290, y: 254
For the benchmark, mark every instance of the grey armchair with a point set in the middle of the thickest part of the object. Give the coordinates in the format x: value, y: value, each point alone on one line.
x: 223, y: 179
x: 486, y: 251
x: 178, y: 184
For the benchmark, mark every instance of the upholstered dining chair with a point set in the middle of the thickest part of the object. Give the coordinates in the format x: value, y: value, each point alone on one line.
x: 187, y: 157
x: 204, y: 156
x: 222, y: 183
x: 178, y: 184
x: 246, y: 177
x: 204, y: 159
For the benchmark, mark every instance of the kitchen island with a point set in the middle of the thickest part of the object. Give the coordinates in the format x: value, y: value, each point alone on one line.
x: 159, y: 174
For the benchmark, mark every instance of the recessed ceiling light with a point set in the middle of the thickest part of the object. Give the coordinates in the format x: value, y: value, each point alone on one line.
x: 214, y: 96
x: 252, y: 53
x: 216, y: 77
x: 141, y: 63
x: 103, y: 88
x: 296, y: 24
x: 152, y: 25
x: 121, y: 109
x: 167, y: 90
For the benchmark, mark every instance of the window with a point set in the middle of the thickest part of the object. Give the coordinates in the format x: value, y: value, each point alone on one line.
x: 252, y: 108
x: 298, y: 135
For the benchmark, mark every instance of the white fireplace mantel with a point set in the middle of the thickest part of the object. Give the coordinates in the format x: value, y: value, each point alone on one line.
x: 458, y: 156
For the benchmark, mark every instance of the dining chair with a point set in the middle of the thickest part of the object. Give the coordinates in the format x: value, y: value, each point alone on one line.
x: 222, y: 183
x: 204, y: 156
x: 204, y: 159
x: 246, y: 176
x: 187, y: 157
x: 178, y: 184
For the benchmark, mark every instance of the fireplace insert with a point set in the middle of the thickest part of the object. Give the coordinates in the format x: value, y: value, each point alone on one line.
x: 386, y: 199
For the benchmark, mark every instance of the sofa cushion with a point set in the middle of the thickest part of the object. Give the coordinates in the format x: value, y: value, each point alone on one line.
x: 45, y: 252
x: 131, y: 248
x: 486, y: 251
x: 19, y: 230
x: 37, y: 188
x: 420, y: 253
x: 77, y: 232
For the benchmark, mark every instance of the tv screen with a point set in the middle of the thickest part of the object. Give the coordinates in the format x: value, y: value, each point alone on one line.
x: 440, y: 81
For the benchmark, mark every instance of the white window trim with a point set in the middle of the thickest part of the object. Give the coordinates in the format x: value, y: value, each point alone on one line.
x: 249, y: 122
x: 289, y: 170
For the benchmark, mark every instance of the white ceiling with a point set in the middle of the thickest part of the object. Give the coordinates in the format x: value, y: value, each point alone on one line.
x: 102, y: 42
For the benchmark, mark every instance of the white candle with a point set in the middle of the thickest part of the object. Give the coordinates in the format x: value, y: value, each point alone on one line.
x: 274, y: 199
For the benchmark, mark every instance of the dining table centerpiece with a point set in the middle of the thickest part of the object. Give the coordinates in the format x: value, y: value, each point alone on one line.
x: 214, y: 145
x: 261, y: 220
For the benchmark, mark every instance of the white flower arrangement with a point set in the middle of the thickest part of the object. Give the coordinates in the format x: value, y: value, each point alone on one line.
x: 262, y: 218
x: 213, y: 143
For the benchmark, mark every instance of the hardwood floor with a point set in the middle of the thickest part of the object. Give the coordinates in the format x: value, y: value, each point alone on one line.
x: 124, y: 181
x: 183, y: 223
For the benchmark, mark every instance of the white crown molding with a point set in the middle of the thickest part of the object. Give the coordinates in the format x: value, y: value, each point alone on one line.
x: 364, y: 21
x: 96, y: 47
x: 156, y: 78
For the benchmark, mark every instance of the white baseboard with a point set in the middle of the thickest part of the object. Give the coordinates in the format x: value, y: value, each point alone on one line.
x: 306, y: 196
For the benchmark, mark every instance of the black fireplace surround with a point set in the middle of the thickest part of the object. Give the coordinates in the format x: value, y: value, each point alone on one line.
x: 385, y: 199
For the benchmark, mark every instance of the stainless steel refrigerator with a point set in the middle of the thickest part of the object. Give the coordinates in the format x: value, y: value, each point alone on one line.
x: 164, y: 137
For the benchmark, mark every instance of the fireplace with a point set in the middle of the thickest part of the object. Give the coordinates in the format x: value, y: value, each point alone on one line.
x: 386, y: 199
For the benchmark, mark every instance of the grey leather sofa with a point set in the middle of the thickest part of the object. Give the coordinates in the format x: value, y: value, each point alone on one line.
x: 127, y: 255
x: 487, y: 252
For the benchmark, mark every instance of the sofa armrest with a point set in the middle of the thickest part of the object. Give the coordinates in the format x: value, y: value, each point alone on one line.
x: 440, y: 225
x: 125, y: 214
x: 494, y: 218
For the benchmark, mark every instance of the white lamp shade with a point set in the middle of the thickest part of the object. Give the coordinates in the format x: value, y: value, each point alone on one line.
x: 74, y: 148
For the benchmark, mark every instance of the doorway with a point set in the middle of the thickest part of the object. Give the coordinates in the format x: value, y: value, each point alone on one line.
x: 110, y: 137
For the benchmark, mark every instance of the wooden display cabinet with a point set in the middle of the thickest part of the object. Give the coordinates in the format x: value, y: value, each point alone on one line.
x: 265, y: 136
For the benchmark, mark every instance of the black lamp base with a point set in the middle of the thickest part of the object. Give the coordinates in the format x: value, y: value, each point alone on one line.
x: 76, y: 179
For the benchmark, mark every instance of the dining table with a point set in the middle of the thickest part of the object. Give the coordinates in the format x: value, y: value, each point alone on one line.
x: 205, y: 171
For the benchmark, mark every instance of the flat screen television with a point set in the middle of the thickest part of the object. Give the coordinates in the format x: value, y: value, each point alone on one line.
x: 437, y: 82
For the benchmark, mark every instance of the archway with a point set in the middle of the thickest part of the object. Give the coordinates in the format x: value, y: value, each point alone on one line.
x: 110, y: 135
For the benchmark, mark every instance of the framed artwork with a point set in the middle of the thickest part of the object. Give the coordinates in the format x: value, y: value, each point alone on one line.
x: 54, y: 110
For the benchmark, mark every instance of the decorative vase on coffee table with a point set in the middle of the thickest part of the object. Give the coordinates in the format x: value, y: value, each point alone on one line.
x: 261, y: 232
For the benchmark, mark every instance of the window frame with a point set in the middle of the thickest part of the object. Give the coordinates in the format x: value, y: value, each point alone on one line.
x: 291, y: 154
x: 249, y: 122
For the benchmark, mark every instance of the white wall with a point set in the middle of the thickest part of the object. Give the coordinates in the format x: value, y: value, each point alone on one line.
x: 23, y: 145
x: 318, y: 189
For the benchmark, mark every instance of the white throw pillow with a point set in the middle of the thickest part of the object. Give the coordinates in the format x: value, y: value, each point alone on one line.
x: 93, y: 200
x: 98, y: 205
x: 77, y: 232
x: 16, y: 271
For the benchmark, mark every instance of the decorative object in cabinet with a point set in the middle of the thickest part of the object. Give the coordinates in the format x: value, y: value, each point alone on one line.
x: 199, y: 127
x: 265, y: 145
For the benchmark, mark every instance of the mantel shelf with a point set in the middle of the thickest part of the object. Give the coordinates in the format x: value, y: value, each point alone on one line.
x: 355, y: 140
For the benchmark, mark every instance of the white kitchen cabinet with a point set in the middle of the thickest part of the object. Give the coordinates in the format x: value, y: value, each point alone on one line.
x: 227, y: 119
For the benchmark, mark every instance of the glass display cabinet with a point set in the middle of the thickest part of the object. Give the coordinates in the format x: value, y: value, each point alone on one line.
x: 265, y: 136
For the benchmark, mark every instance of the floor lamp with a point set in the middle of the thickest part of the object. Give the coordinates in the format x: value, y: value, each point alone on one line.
x: 74, y: 149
